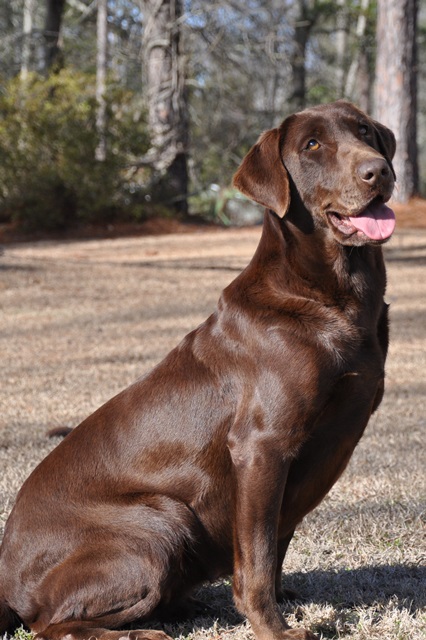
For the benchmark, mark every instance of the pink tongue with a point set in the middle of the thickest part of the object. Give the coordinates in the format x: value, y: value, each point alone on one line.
x: 377, y: 221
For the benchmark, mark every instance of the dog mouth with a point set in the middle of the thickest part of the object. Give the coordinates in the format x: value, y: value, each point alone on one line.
x: 376, y: 221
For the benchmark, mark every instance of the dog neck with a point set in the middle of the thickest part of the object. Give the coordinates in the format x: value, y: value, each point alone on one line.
x: 307, y: 260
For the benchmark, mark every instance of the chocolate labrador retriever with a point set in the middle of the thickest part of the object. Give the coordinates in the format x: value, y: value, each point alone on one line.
x: 205, y: 466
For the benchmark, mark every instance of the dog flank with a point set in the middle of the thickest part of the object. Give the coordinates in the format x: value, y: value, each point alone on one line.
x: 204, y: 467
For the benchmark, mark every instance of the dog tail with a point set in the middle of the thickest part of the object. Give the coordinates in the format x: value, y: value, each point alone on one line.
x: 8, y: 618
x: 59, y: 432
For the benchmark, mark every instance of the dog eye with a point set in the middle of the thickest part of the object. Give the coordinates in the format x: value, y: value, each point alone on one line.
x: 313, y: 145
x: 363, y: 129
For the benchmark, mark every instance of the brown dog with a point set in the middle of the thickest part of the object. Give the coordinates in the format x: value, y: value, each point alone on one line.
x: 205, y: 466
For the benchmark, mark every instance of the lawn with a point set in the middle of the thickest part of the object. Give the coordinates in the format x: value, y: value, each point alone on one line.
x: 81, y: 320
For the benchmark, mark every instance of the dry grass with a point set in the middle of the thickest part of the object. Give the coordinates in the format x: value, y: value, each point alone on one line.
x: 81, y: 320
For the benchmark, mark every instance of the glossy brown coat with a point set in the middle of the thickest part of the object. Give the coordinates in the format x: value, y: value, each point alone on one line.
x: 205, y: 466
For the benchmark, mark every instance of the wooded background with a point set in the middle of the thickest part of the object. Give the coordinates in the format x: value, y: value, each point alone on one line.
x: 123, y: 109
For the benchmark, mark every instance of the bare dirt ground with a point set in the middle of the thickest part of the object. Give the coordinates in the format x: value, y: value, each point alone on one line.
x: 81, y: 320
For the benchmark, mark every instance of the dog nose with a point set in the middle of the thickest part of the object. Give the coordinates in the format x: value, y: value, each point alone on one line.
x: 372, y: 171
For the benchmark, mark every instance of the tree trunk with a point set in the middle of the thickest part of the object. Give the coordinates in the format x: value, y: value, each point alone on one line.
x: 101, y: 71
x: 165, y: 78
x: 52, y: 30
x: 27, y: 32
x: 396, y: 87
x: 364, y: 81
x: 302, y: 29
x: 358, y: 73
x: 341, y: 45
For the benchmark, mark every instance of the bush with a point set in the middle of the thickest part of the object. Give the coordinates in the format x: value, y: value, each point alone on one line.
x: 48, y: 174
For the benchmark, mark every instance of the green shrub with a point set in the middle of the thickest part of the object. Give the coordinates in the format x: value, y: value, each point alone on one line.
x: 48, y: 174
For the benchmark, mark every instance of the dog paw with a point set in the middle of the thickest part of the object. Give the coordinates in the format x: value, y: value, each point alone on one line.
x: 135, y: 634
x: 299, y: 634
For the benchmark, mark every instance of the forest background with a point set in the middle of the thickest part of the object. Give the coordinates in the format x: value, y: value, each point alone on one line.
x: 120, y: 110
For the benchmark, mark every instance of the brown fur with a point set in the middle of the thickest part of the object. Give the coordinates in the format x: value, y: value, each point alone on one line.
x: 205, y: 466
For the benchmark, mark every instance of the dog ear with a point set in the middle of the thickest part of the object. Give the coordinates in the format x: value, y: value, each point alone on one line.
x: 387, y: 142
x: 262, y: 175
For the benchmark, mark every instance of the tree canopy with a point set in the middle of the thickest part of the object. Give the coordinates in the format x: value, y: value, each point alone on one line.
x: 236, y: 68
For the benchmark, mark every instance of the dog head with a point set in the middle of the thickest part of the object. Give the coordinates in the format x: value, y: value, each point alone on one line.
x: 337, y: 160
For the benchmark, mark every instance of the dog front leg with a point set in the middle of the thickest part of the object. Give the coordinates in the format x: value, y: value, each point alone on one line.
x: 261, y: 473
x: 282, y: 594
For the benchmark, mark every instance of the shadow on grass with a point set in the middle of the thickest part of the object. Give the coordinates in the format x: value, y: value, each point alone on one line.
x: 17, y: 267
x: 400, y: 586
x: 405, y: 585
